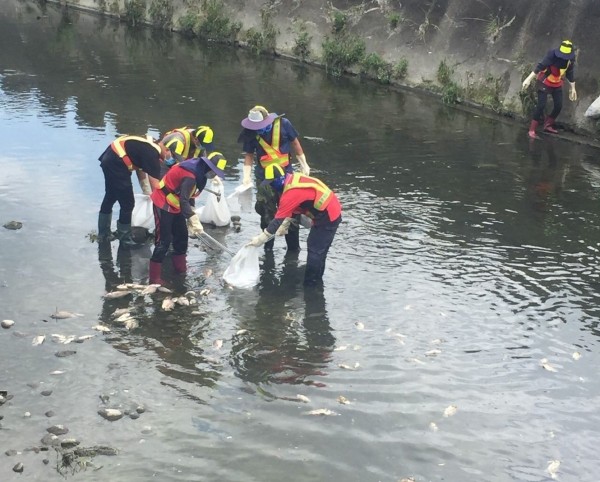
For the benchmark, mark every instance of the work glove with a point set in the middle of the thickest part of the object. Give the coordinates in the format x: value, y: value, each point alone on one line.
x: 528, y: 80
x: 145, y: 185
x: 247, y: 179
x: 304, y: 167
x: 259, y: 240
x: 194, y: 225
x: 216, y: 182
x: 572, y: 93
x: 283, y: 228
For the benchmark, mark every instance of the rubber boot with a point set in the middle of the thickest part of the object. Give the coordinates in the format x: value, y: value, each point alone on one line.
x: 312, y: 276
x: 532, y: 128
x: 292, y: 239
x: 179, y: 263
x: 154, y: 273
x: 549, y: 125
x: 104, y: 221
x: 124, y: 235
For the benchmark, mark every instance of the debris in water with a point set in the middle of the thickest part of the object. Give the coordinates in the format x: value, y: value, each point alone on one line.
x: 450, y: 410
x: 7, y: 323
x: 38, y: 340
x: 205, y: 292
x: 217, y: 344
x: 13, y: 225
x: 61, y: 315
x: 131, y: 324
x: 433, y: 427
x: 321, y: 411
x: 553, y: 466
x: 303, y: 398
x: 576, y: 355
x: 433, y: 352
x: 101, y: 328
x: 359, y: 325
x: 341, y: 348
x: 546, y: 366
x: 241, y: 332
x: 168, y: 304
x: 343, y: 400
x: 65, y: 353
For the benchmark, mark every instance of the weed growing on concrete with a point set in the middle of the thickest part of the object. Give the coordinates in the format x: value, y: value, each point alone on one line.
x: 341, y: 52
x: 215, y: 23
x: 395, y: 19
x: 187, y: 23
x: 339, y: 21
x: 444, y: 73
x: 374, y: 67
x: 400, y: 69
x: 161, y: 13
x: 487, y: 93
x: 301, y: 48
x: 114, y: 7
x: 135, y: 12
x: 451, y: 91
x: 263, y: 41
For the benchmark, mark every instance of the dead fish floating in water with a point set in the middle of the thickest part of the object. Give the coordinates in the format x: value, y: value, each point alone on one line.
x: 553, y: 466
x: 546, y: 366
x: 65, y: 340
x: 433, y: 427
x: 131, y: 324
x: 303, y: 398
x: 348, y: 367
x: 150, y: 289
x: 62, y: 315
x: 343, y: 400
x: 101, y: 328
x: 113, y: 295
x: 205, y: 292
x: 321, y: 411
x: 38, y: 340
x: 450, y: 410
x: 359, y: 325
x: 217, y: 344
x: 168, y: 304
x: 576, y: 356
x: 182, y: 300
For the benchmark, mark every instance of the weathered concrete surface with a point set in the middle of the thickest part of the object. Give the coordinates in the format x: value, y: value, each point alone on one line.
x: 478, y: 38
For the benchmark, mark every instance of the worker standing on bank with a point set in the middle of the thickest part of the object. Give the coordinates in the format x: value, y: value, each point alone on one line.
x: 270, y: 137
x: 126, y: 154
x: 550, y: 73
x: 173, y: 209
x: 306, y: 195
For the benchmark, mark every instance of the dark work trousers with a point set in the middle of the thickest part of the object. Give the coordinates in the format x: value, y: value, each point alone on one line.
x: 118, y: 188
x: 170, y: 228
x: 557, y: 98
x: 318, y: 243
x: 267, y: 200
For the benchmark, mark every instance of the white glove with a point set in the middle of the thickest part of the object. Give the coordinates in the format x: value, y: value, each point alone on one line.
x: 572, y: 93
x: 303, y: 164
x: 259, y: 240
x: 283, y: 228
x: 528, y: 80
x: 145, y: 185
x: 194, y: 225
x: 216, y: 182
x: 247, y: 179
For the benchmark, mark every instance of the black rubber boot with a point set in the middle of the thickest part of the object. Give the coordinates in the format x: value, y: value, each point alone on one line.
x: 104, y: 232
x: 124, y: 235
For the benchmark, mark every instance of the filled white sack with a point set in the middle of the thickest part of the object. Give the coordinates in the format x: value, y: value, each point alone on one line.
x: 143, y: 215
x: 215, y: 212
x: 593, y: 110
x: 244, y: 270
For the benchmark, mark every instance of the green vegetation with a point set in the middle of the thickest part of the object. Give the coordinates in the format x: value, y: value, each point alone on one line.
x: 395, y: 19
x: 450, y: 90
x: 401, y: 69
x: 161, y: 13
x: 135, y: 12
x: 339, y: 22
x: 301, y: 48
x: 487, y: 93
x: 263, y: 41
x: 114, y: 7
x: 211, y: 21
x: 341, y: 52
x: 374, y: 67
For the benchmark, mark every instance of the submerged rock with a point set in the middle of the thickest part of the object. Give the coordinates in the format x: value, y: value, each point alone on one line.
x: 58, y: 429
x: 19, y: 467
x: 7, y: 323
x: 13, y: 225
x: 110, y: 414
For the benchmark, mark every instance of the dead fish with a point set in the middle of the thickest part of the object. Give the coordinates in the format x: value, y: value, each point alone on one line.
x: 433, y: 427
x: 205, y: 292
x: 417, y: 361
x: 359, y: 325
x: 121, y: 311
x: 168, y: 304
x: 208, y: 273
x: 289, y: 316
x: 57, y: 372
x: 341, y: 348
x: 124, y: 317
x: 303, y: 398
x: 64, y: 353
x: 553, y: 466
x: 131, y: 324
x: 123, y: 287
x: 38, y: 340
x: 348, y: 367
x: 85, y: 337
x: 113, y: 295
x: 241, y: 332
x: 437, y: 341
x: 164, y: 289
x: 101, y: 328
x: 61, y: 315
x: 343, y: 400
x: 576, y: 355
x: 450, y: 410
x: 546, y: 366
x: 189, y: 294
x: 149, y: 290
x: 321, y: 411
x: 182, y: 300
x: 65, y: 340
x: 433, y: 352
x: 217, y: 344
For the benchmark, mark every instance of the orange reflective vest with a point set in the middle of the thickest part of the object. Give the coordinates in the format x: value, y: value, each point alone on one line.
x: 118, y: 147
x: 553, y: 76
x: 323, y: 196
x: 169, y: 187
x: 273, y: 154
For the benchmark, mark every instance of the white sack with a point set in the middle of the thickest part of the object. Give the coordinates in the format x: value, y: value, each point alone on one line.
x: 215, y: 212
x: 593, y: 110
x: 143, y: 214
x: 243, y: 271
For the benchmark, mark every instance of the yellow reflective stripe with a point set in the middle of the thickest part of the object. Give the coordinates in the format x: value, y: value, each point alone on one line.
x: 171, y: 198
x: 272, y: 150
x: 323, y: 192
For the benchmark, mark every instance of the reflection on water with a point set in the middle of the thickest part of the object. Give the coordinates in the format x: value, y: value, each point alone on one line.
x: 466, y: 265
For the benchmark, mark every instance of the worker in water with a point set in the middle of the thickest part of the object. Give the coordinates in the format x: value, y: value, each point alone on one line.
x: 126, y: 154
x: 270, y: 137
x: 550, y: 74
x: 306, y: 195
x: 174, y: 215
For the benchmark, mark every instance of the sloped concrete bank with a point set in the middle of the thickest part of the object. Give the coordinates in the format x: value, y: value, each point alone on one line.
x: 471, y: 52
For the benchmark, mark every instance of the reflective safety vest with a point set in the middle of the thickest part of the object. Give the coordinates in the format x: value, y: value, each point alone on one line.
x: 118, y: 147
x: 273, y: 154
x: 170, y: 185
x: 324, y: 194
x: 181, y: 147
x: 553, y: 76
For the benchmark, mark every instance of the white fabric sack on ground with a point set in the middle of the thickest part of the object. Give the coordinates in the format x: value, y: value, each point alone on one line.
x: 243, y: 271
x: 593, y: 110
x: 143, y: 215
x: 215, y: 212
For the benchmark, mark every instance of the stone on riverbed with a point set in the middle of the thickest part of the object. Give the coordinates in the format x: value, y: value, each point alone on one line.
x: 18, y: 468
x: 58, y: 429
x: 69, y: 443
x: 7, y: 323
x: 13, y: 225
x: 50, y: 439
x: 110, y: 414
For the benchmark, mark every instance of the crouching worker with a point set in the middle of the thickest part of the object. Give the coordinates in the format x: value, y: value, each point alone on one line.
x: 309, y: 196
x: 173, y: 209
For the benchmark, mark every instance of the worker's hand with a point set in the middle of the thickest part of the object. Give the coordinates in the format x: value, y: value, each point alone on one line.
x: 283, y: 228
x: 247, y: 179
x: 304, y: 167
x: 216, y: 182
x: 194, y: 225
x: 259, y: 240
x: 573, y: 93
x: 528, y: 80
x: 145, y: 185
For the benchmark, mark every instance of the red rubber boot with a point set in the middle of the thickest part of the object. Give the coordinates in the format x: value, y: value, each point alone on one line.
x: 532, y: 128
x: 549, y: 125
x: 179, y: 263
x: 154, y: 275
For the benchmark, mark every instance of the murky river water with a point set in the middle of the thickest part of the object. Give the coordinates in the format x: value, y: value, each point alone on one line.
x: 467, y: 254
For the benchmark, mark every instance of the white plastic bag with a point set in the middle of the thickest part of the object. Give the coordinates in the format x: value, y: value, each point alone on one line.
x: 593, y: 111
x: 243, y: 271
x: 143, y: 214
x: 215, y: 212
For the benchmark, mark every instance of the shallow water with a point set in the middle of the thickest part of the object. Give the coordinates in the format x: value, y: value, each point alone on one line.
x: 467, y: 255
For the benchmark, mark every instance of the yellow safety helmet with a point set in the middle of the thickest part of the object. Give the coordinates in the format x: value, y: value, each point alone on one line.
x: 204, y: 134
x: 216, y: 162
